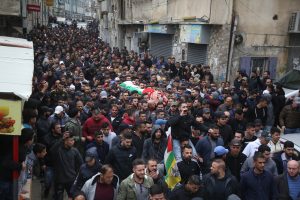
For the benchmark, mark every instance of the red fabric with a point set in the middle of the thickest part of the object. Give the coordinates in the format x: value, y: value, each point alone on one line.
x: 104, y: 192
x: 128, y: 121
x: 170, y: 145
x: 148, y: 90
x: 90, y: 126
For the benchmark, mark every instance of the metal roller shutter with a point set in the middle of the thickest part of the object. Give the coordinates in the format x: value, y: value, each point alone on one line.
x: 161, y: 45
x: 197, y: 53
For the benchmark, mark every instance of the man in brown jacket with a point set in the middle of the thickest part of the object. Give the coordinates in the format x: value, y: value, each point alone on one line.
x: 289, y: 117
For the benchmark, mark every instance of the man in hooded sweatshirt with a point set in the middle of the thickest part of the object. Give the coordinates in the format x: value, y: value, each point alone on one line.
x: 155, y: 146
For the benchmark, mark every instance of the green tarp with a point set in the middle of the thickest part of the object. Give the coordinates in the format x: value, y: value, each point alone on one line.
x: 290, y: 80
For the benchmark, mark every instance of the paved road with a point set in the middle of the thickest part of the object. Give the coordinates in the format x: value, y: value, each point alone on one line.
x: 37, y: 191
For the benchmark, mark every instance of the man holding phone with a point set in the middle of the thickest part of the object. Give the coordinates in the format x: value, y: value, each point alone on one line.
x: 181, y: 129
x: 153, y: 170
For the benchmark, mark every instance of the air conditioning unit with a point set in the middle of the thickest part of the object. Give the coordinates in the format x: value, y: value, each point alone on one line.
x: 294, y: 25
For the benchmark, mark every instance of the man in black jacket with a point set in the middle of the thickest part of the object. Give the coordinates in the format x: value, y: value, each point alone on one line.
x: 181, y: 129
x: 207, y: 118
x: 122, y: 156
x: 87, y: 170
x: 235, y: 158
x: 67, y: 161
x: 255, y: 82
x: 100, y: 145
x: 225, y: 130
x: 187, y: 167
x: 42, y: 124
x: 191, y: 189
x: 114, y: 117
x: 259, y: 111
x: 49, y: 140
x: 218, y: 184
x: 138, y: 138
x: 238, y: 122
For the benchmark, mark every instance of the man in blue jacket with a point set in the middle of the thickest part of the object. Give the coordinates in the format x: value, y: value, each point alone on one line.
x: 258, y: 183
x: 205, y: 147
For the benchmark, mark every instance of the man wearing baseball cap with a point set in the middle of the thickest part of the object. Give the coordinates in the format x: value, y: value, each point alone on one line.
x: 220, y: 152
x: 67, y: 161
x: 59, y: 116
x: 235, y: 158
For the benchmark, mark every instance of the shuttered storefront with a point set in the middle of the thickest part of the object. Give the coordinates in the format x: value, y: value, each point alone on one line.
x: 161, y: 44
x: 197, y: 54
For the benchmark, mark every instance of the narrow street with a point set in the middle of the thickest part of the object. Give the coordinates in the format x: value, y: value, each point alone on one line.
x: 149, y: 100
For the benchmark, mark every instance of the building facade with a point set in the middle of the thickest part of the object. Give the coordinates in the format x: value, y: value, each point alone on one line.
x: 228, y: 35
x: 18, y: 17
x: 72, y: 9
x: 264, y: 37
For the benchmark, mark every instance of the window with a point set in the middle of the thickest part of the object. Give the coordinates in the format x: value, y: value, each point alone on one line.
x: 259, y: 64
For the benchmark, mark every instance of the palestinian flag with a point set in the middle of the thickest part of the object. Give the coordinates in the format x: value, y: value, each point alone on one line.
x: 172, y: 177
x: 128, y: 85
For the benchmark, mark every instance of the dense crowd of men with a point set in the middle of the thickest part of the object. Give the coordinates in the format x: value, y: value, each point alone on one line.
x: 87, y: 136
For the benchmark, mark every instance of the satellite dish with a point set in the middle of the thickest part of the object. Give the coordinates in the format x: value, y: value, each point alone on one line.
x: 238, y: 39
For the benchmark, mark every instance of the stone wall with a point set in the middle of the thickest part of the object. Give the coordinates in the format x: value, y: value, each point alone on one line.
x: 218, y: 51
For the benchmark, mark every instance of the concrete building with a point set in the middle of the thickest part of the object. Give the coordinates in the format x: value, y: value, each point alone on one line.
x: 16, y: 16
x: 267, y: 41
x: 72, y: 9
x: 33, y: 18
x: 228, y: 35
x: 10, y: 18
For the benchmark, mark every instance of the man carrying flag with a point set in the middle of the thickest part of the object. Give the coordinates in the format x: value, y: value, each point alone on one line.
x: 172, y: 177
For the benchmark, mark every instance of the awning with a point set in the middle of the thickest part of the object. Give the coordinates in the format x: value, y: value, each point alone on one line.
x: 290, y: 80
x: 16, y: 66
